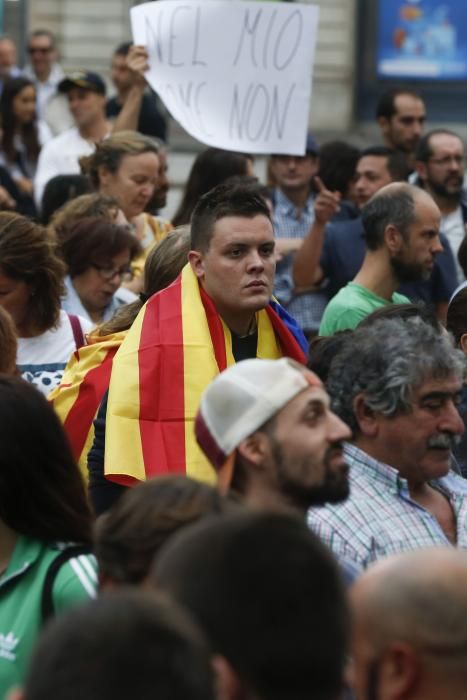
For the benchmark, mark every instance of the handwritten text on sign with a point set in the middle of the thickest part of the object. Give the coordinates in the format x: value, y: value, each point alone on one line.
x: 236, y: 75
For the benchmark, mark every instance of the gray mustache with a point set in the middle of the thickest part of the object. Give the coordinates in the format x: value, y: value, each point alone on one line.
x: 445, y: 441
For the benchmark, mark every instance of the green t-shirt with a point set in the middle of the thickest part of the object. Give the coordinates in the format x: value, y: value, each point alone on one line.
x: 351, y: 305
x: 20, y: 601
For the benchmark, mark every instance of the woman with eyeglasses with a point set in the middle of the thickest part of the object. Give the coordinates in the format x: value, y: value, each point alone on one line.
x: 22, y: 135
x: 31, y: 287
x: 98, y: 254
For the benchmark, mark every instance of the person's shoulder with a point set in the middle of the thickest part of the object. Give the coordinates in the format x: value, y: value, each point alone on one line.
x: 344, y: 311
x: 338, y: 230
x: 62, y: 140
x: 76, y: 581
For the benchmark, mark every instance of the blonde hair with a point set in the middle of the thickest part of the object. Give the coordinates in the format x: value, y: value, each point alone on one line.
x: 110, y: 152
x: 87, y: 205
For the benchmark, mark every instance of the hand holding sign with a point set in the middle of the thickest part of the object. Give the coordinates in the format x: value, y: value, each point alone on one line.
x: 236, y: 75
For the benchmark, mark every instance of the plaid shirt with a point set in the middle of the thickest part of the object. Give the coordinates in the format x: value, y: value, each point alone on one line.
x: 307, y: 308
x: 380, y: 518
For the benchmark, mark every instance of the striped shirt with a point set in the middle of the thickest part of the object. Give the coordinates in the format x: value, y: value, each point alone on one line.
x: 307, y: 308
x: 380, y: 518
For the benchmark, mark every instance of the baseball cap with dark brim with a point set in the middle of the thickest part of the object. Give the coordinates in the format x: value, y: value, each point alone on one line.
x: 87, y: 81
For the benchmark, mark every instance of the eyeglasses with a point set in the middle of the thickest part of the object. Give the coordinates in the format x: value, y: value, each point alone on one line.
x: 444, y: 162
x: 108, y: 273
x: 32, y: 50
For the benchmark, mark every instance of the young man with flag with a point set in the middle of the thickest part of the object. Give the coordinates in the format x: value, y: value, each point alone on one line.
x: 219, y: 311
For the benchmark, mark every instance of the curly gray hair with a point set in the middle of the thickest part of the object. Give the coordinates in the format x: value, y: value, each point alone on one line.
x: 386, y: 362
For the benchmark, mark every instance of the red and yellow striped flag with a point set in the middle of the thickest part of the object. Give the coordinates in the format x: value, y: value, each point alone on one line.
x: 176, y: 346
x: 76, y: 400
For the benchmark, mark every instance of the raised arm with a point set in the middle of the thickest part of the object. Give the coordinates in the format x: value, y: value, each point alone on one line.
x: 137, y: 62
x: 306, y: 268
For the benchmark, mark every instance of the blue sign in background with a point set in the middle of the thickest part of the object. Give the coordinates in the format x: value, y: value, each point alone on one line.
x: 425, y: 39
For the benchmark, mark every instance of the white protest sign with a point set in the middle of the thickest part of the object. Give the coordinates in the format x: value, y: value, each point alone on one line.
x: 235, y: 74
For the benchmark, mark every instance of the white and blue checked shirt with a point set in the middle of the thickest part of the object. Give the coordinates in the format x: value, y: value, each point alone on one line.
x: 380, y: 518
x: 307, y: 309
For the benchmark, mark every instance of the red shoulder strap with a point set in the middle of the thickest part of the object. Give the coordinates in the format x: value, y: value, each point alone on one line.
x: 77, y: 331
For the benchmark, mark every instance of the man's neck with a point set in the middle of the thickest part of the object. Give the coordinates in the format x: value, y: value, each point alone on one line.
x: 96, y: 131
x: 240, y: 325
x: 298, y: 197
x: 122, y: 95
x: 377, y: 276
x: 7, y: 545
x: 261, y: 497
x: 43, y: 75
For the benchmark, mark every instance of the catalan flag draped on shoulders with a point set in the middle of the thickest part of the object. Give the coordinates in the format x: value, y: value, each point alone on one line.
x: 77, y: 398
x: 176, y: 346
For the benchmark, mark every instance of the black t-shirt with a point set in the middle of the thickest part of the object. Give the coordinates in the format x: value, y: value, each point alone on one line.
x: 151, y: 122
x: 244, y: 348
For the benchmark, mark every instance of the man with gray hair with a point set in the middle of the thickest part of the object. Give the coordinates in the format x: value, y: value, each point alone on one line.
x: 410, y: 627
x: 396, y: 384
x: 401, y: 229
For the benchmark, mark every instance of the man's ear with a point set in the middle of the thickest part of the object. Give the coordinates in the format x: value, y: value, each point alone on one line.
x: 365, y: 417
x: 421, y: 169
x: 383, y: 123
x: 463, y: 343
x: 227, y: 683
x: 393, y: 238
x: 254, y: 448
x: 103, y: 174
x: 196, y: 260
x: 399, y: 671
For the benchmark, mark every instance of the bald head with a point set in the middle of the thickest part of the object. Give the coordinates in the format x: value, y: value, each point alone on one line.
x: 398, y: 205
x: 417, y: 601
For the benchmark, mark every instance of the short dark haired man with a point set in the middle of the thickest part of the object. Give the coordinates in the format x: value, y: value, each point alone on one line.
x: 440, y: 158
x: 409, y: 638
x: 85, y: 92
x: 150, y: 121
x: 259, y: 584
x: 294, y: 210
x: 401, y: 225
x: 396, y: 384
x: 121, y: 646
x: 401, y: 116
x: 219, y: 311
x: 43, y: 69
x: 266, y: 427
x: 335, y: 251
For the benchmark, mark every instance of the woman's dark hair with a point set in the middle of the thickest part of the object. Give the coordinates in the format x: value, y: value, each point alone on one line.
x: 129, y: 536
x: 323, y: 350
x: 42, y: 494
x: 59, y: 190
x: 163, y: 265
x: 456, y: 321
x: 404, y: 312
x: 11, y: 88
x: 337, y: 163
x: 28, y: 253
x: 211, y: 167
x: 95, y: 241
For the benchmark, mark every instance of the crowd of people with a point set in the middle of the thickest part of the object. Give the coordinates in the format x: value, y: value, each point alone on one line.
x: 233, y: 463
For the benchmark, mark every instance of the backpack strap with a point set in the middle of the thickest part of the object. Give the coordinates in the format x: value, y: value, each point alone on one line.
x: 47, y: 602
x: 78, y: 334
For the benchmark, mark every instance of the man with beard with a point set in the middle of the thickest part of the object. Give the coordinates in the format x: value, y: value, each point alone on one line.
x: 401, y: 229
x: 397, y: 385
x: 401, y: 116
x: 440, y: 168
x: 267, y: 428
